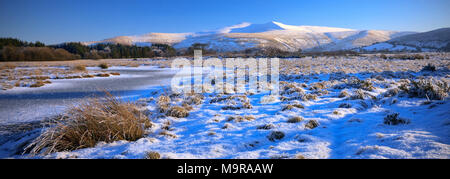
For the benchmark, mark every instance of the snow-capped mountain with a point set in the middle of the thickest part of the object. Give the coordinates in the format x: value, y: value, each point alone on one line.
x: 272, y: 34
x: 438, y: 39
x: 433, y: 39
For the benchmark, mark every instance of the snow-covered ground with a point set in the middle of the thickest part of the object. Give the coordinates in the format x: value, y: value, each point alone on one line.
x: 332, y: 124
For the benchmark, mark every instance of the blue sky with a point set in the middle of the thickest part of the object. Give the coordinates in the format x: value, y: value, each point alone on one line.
x: 55, y: 21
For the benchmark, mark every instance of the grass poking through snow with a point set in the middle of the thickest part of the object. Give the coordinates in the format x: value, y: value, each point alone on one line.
x: 92, y: 122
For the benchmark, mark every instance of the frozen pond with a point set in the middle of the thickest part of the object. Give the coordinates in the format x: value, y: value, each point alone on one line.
x: 31, y: 104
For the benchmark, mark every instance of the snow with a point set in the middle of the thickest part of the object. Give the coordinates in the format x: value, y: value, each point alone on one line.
x: 256, y: 28
x: 273, y: 25
x: 230, y: 28
x: 355, y: 132
x: 146, y: 39
x: 272, y: 34
x: 388, y: 46
x: 217, y: 42
x: 311, y: 29
x: 141, y: 67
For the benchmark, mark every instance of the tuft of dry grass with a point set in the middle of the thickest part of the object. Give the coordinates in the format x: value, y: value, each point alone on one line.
x: 97, y: 120
x: 152, y: 155
x: 103, y: 65
x: 40, y: 77
x: 432, y: 89
x: 18, y: 83
x: 37, y: 84
x: 178, y: 112
x: 318, y: 86
x: 88, y: 76
x: 287, y: 107
x: 391, y: 92
x: 292, y: 106
x: 300, y: 156
x: 168, y: 134
x: 241, y: 118
x: 47, y: 82
x: 212, y: 133
x: 134, y: 65
x: 226, y: 126
x: 233, y: 102
x: 195, y: 99
x: 343, y: 94
x: 312, y: 124
x: 298, y: 106
x: 275, y: 135
x: 266, y: 127
x: 79, y: 67
x: 359, y: 94
x: 309, y: 97
x: 295, y: 119
x: 187, y: 107
x: 163, y: 103
x: 291, y: 88
x: 367, y: 85
x: 395, y: 119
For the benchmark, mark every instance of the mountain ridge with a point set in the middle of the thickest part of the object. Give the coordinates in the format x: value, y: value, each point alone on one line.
x: 272, y: 34
x: 435, y: 40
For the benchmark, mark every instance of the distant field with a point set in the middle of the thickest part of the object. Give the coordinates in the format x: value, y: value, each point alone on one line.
x: 36, y: 74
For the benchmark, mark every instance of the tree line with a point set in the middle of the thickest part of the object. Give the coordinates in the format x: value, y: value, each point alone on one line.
x: 99, y: 51
x: 18, y: 43
x: 16, y: 50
